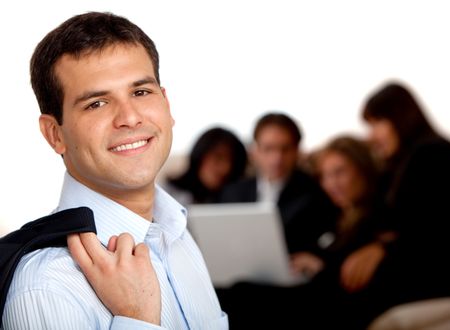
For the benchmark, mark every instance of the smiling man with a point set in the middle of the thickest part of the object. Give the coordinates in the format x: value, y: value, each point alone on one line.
x: 103, y: 110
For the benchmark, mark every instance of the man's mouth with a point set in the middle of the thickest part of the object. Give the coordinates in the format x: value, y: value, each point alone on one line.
x: 130, y: 146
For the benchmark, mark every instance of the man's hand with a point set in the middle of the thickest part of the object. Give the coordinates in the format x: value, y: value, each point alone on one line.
x: 122, y: 275
x: 306, y: 263
x: 358, y: 268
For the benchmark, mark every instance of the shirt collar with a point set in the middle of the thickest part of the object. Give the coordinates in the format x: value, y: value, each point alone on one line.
x: 112, y: 218
x: 269, y: 190
x: 169, y: 214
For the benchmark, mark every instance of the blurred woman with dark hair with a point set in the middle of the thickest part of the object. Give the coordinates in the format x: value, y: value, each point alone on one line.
x: 217, y: 158
x: 408, y: 261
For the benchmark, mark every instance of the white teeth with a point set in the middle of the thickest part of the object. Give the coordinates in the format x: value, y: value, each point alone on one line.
x: 130, y: 146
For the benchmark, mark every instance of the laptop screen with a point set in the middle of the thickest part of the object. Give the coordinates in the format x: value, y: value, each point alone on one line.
x: 241, y: 242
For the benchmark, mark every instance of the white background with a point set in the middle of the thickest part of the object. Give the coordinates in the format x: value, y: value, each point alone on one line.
x: 227, y: 62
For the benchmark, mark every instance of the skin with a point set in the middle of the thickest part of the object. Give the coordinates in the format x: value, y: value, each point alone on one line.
x: 216, y: 167
x: 122, y: 276
x: 305, y: 263
x: 340, y: 179
x: 116, y: 135
x: 275, y: 153
x: 383, y: 137
x: 358, y: 268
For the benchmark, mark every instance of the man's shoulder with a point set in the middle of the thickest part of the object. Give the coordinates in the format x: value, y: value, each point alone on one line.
x: 46, y: 269
x: 49, y: 278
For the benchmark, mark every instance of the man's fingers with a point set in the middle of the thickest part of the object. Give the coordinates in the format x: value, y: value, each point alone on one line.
x: 112, y: 244
x: 78, y: 251
x: 93, y: 247
x: 141, y: 250
x: 124, y: 245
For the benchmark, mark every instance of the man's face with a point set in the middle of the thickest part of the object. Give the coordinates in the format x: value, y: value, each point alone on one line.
x: 117, y: 127
x: 275, y: 153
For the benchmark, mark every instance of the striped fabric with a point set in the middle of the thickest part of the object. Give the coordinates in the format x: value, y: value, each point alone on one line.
x: 50, y: 292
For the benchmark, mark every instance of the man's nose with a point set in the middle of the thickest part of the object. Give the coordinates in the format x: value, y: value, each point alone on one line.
x: 127, y: 115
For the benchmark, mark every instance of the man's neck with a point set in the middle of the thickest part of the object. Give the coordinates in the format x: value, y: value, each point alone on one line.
x: 139, y: 203
x: 139, y: 200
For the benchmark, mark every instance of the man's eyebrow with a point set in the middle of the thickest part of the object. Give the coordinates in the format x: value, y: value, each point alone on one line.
x: 144, y: 81
x: 88, y: 95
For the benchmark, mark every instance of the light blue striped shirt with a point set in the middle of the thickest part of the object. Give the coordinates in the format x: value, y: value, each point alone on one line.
x: 49, y: 291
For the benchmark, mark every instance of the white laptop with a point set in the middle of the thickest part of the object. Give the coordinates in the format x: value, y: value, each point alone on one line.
x: 242, y: 242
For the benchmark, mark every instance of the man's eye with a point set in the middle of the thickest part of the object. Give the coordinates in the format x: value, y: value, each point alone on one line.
x: 95, y: 105
x: 141, y: 93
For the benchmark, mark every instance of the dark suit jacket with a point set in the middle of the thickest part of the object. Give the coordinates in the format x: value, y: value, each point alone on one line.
x: 49, y: 231
x: 305, y: 210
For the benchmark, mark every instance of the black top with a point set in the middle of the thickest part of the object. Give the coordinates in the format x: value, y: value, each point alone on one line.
x: 419, y: 210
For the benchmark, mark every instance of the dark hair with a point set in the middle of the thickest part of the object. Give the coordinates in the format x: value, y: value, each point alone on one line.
x: 281, y: 120
x: 78, y: 36
x: 207, y: 141
x: 397, y: 104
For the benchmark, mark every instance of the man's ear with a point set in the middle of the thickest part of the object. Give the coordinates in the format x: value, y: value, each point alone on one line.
x: 51, y: 131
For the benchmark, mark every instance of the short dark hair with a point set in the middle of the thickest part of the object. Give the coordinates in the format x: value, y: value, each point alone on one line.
x: 78, y: 36
x: 279, y: 119
x: 396, y: 103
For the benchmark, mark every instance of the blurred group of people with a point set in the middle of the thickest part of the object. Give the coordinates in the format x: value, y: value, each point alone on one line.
x: 365, y: 219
